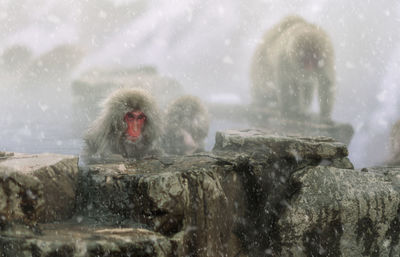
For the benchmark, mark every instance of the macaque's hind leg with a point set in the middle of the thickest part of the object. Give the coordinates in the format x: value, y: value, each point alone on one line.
x: 289, y: 98
x: 326, y: 98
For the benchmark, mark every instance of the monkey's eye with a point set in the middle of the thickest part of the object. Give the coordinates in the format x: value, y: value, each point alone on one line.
x: 129, y: 116
x: 141, y: 117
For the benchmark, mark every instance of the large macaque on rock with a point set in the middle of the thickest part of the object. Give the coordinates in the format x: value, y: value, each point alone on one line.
x: 293, y: 58
x: 186, y: 126
x: 128, y: 127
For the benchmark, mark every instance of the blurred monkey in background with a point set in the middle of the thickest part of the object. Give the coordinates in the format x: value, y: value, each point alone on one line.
x: 186, y: 126
x: 55, y: 65
x: 129, y: 126
x: 293, y: 58
x: 15, y: 59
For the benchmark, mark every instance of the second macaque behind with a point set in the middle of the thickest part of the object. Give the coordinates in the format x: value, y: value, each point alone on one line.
x: 186, y: 126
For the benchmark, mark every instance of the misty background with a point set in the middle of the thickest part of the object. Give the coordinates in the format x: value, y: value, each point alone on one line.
x: 206, y: 46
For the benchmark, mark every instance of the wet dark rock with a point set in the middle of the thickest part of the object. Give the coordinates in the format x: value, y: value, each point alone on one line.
x: 74, y: 239
x: 265, y: 164
x: 255, y: 195
x: 302, y: 150
x: 37, y: 188
x: 341, y: 212
x: 182, y: 200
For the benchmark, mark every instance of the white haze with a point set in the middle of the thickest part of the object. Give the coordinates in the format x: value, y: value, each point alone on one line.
x: 207, y: 46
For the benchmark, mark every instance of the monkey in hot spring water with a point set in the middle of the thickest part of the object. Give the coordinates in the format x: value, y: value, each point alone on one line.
x: 294, y: 59
x: 129, y: 126
x: 186, y: 127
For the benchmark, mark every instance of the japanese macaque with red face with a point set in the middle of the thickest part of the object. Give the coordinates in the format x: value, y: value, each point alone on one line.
x: 294, y: 59
x: 186, y: 126
x: 128, y: 127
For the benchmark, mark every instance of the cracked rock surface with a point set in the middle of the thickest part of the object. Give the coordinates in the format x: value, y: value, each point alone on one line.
x: 37, y: 188
x: 254, y: 195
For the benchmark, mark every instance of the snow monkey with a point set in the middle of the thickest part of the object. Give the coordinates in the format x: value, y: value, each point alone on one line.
x: 293, y: 58
x: 186, y: 127
x: 129, y: 126
x: 54, y: 65
x: 16, y: 58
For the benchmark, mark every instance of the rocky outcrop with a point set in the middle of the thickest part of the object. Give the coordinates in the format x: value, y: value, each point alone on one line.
x: 179, y: 197
x: 79, y: 240
x: 37, y: 188
x: 258, y: 145
x: 253, y: 195
x: 266, y: 165
x: 341, y: 212
x: 210, y: 204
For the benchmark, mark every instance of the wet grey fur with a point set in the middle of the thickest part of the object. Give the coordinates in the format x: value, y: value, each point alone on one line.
x: 106, y: 136
x: 186, y: 115
x: 279, y: 79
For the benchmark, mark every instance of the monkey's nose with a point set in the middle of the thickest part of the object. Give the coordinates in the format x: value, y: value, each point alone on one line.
x: 135, y: 127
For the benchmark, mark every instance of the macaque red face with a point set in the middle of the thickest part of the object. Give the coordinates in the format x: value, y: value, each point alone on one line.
x: 310, y: 62
x: 135, y: 121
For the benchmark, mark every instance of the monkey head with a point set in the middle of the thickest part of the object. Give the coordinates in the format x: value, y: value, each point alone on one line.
x: 129, y: 125
x: 308, y: 52
x: 187, y: 125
